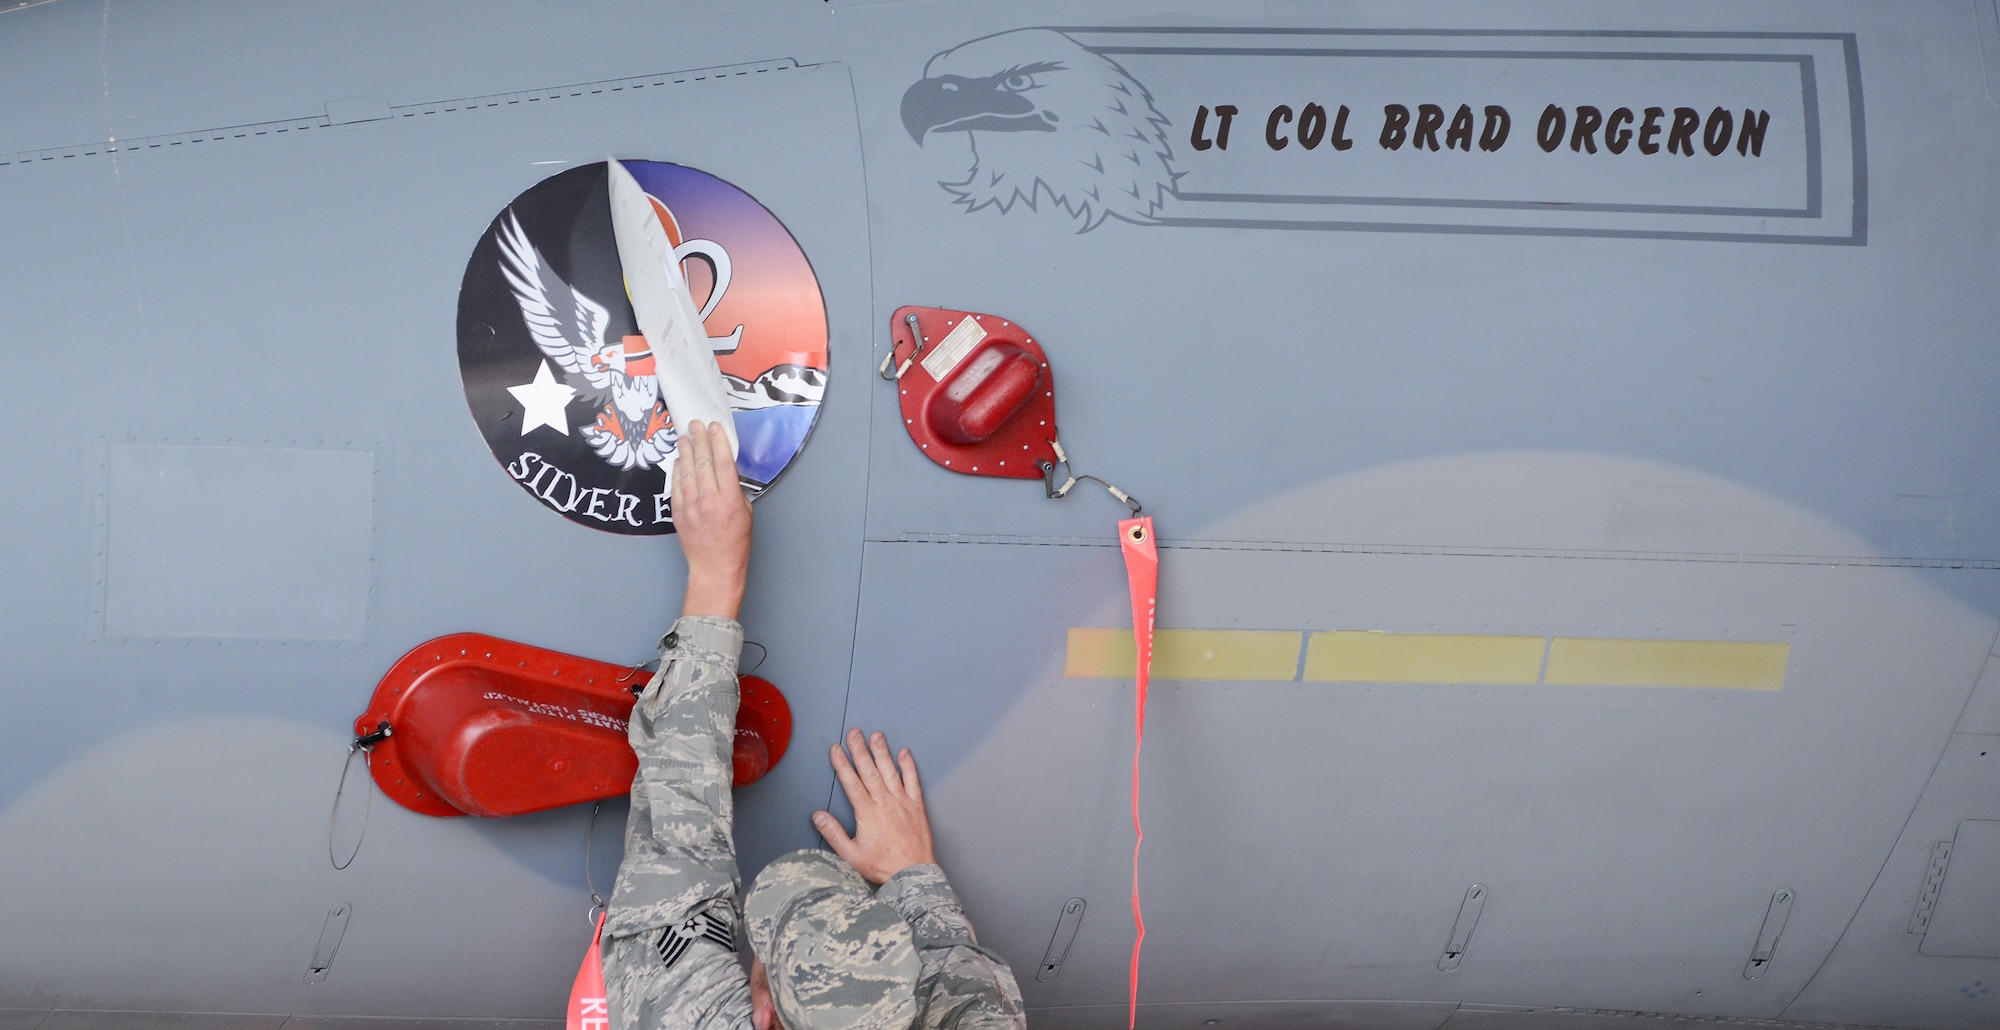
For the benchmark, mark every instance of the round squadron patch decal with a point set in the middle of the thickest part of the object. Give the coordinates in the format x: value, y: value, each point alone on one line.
x: 563, y: 385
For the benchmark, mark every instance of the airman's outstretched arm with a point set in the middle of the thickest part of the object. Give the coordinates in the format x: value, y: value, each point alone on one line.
x: 668, y: 948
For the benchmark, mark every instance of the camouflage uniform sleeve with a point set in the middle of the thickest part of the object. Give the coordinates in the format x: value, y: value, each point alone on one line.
x: 963, y: 985
x: 680, y: 850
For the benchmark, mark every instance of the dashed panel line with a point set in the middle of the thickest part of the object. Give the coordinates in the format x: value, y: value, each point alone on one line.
x: 1456, y: 551
x: 165, y: 141
x: 291, y: 126
x: 600, y: 88
x: 1684, y: 1018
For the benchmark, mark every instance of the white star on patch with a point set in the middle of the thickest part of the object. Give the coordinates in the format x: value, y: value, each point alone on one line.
x: 543, y: 401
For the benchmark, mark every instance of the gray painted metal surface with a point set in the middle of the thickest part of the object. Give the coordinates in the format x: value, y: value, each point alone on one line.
x: 1528, y: 394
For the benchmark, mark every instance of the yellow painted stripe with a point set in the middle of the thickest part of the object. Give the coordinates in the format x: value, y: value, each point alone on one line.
x: 1187, y: 654
x: 1105, y: 653
x: 1715, y: 664
x: 1351, y: 656
x: 1362, y: 657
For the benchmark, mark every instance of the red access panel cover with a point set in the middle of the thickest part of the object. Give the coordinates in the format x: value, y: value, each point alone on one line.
x: 484, y: 726
x: 977, y: 394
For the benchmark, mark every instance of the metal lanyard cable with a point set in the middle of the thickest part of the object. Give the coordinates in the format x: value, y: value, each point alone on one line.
x: 365, y: 747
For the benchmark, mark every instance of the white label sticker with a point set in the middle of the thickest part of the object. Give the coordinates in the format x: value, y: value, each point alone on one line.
x: 953, y: 348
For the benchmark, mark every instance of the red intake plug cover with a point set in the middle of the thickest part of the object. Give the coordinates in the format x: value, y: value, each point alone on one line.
x: 484, y: 726
x: 979, y: 397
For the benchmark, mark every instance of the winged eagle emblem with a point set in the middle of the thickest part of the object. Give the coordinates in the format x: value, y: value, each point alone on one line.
x: 632, y: 428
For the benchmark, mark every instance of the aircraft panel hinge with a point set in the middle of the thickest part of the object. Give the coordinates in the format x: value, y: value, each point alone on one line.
x: 1065, y: 935
x: 329, y: 942
x: 1933, y: 883
x: 1461, y: 931
x: 1767, y: 937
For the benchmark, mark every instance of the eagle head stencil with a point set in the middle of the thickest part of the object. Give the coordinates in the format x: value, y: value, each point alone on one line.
x: 1049, y: 122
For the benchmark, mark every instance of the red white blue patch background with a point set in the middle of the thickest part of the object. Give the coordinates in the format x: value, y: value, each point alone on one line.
x: 536, y: 413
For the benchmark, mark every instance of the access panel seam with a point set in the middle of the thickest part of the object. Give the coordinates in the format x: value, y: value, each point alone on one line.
x: 389, y: 112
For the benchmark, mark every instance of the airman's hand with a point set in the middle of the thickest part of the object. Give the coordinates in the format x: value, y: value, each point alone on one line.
x: 712, y: 519
x: 891, y: 829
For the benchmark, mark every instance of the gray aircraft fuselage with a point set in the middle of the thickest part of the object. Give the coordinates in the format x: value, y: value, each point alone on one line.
x: 1570, y: 429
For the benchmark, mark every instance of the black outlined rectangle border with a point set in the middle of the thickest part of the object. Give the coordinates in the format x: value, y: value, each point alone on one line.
x: 1822, y: 59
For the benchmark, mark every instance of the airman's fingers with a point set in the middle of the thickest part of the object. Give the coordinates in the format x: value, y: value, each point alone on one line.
x: 705, y: 457
x: 849, y: 783
x: 908, y: 762
x: 704, y: 463
x: 835, y: 834
x: 725, y: 463
x: 682, y: 491
x: 864, y: 763
x: 878, y: 745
